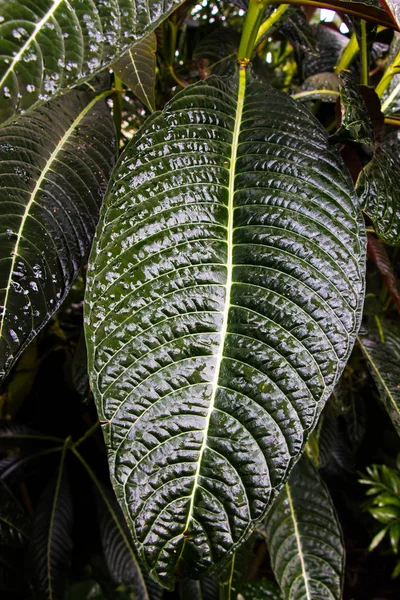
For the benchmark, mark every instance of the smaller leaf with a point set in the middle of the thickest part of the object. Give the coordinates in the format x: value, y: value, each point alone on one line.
x: 205, y: 589
x: 216, y: 53
x: 260, y: 590
x: 394, y: 532
x: 377, y: 539
x: 14, y: 523
x: 383, y: 361
x: 355, y: 126
x: 305, y: 539
x: 393, y: 9
x: 323, y: 86
x: 51, y: 549
x: 137, y: 70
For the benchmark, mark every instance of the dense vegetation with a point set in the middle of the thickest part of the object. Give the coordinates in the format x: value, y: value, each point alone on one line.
x: 199, y: 335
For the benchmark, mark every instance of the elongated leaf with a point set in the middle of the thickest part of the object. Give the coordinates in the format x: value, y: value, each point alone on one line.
x: 370, y: 10
x: 205, y: 589
x: 305, y: 539
x: 378, y: 189
x: 224, y: 295
x: 55, y: 167
x: 47, y: 46
x: 14, y: 523
x: 381, y: 349
x: 137, y: 70
x: 51, y: 538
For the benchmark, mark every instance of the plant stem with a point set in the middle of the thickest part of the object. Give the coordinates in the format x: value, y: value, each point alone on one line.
x: 86, y: 435
x: 272, y: 19
x: 391, y: 97
x: 364, y: 54
x: 118, y: 88
x: 348, y: 54
x: 251, y: 26
x: 387, y: 77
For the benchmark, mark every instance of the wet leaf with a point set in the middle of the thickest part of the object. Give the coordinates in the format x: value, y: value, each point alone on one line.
x: 55, y: 167
x: 224, y: 295
x: 304, y: 538
x: 48, y: 46
x: 137, y: 70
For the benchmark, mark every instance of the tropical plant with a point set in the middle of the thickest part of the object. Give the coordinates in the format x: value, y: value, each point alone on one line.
x: 189, y: 327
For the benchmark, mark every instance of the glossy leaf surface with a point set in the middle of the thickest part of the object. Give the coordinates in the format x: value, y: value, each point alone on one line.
x: 137, y: 70
x: 260, y: 590
x: 224, y: 295
x: 55, y: 167
x: 379, y: 192
x: 304, y: 538
x: 47, y: 46
x: 382, y: 352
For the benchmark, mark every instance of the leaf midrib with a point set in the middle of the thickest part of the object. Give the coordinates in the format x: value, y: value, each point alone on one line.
x: 228, y: 285
x: 298, y: 542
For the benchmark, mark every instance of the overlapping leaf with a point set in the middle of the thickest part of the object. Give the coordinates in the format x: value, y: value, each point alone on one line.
x: 260, y: 590
x: 304, y: 538
x: 137, y: 70
x: 381, y: 348
x: 55, y: 167
x: 14, y: 523
x: 52, y: 537
x: 224, y: 295
x: 379, y: 192
x: 47, y: 46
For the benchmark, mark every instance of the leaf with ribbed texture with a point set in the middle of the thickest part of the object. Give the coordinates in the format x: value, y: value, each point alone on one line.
x: 260, y: 590
x: 55, y: 166
x: 118, y: 550
x: 224, y: 295
x: 137, y: 70
x: 48, y: 46
x: 205, y: 589
x: 216, y: 53
x: 51, y: 537
x: 381, y: 348
x: 391, y: 96
x: 14, y: 523
x: 378, y: 189
x: 304, y: 538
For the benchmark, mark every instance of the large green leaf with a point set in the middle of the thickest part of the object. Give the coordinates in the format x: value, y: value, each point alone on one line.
x: 224, y: 295
x: 48, y: 46
x: 381, y: 348
x: 137, y: 70
x: 305, y: 539
x: 55, y: 167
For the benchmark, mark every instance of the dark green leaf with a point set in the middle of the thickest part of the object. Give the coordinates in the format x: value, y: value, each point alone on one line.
x: 51, y: 537
x: 391, y: 96
x: 305, y: 539
x: 137, y: 70
x: 324, y: 86
x: 379, y: 192
x: 205, y: 589
x: 47, y: 46
x: 14, y: 522
x: 216, y: 53
x: 55, y: 167
x: 382, y: 351
x: 224, y: 295
x: 260, y: 590
x: 117, y: 547
x: 356, y: 126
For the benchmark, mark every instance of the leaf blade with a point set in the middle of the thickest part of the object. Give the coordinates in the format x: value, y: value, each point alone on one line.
x: 231, y: 210
x: 52, y: 184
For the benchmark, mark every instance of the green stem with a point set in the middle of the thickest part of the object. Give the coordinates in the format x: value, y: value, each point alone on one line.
x: 348, y: 54
x: 391, y: 97
x: 388, y: 75
x: 271, y: 21
x: 86, y: 435
x: 364, y: 54
x: 251, y: 26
